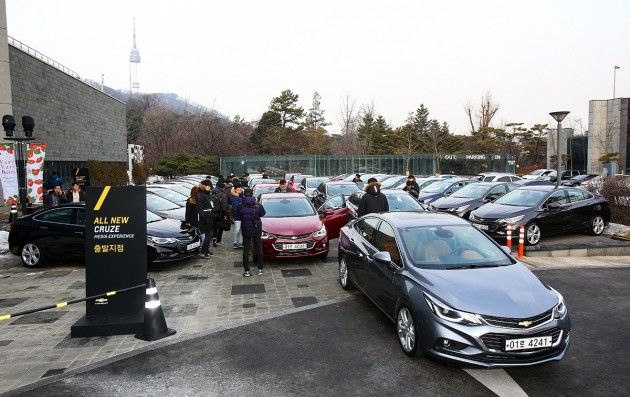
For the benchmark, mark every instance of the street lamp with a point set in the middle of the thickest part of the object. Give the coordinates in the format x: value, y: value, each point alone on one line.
x: 614, y: 80
x: 558, y: 116
x: 28, y: 124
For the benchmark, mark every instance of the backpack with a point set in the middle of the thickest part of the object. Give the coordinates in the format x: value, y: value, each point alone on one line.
x: 216, y: 203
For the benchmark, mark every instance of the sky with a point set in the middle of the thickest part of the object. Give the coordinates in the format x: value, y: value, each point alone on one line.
x: 533, y: 57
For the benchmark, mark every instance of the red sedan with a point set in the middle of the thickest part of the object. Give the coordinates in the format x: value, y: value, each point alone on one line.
x: 291, y: 227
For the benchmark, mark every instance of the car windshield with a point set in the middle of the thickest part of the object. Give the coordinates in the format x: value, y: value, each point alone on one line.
x: 536, y: 172
x: 157, y: 203
x: 346, y: 188
x: 392, y: 181
x: 437, y: 187
x: 523, y: 198
x: 169, y: 194
x: 151, y: 217
x: 451, y: 247
x: 403, y: 202
x: 471, y: 191
x: 287, y: 207
x: 258, y: 190
x: 314, y: 182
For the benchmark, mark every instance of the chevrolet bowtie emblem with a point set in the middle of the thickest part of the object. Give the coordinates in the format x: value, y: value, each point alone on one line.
x: 525, y: 323
x: 100, y: 300
x: 294, y: 237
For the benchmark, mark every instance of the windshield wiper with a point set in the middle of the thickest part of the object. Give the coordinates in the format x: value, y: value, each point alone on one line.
x: 470, y: 266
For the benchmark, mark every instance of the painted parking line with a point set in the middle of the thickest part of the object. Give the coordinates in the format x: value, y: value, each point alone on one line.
x: 498, y: 381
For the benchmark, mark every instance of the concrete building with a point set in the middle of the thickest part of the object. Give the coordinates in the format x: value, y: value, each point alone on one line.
x: 78, y: 122
x: 608, y: 133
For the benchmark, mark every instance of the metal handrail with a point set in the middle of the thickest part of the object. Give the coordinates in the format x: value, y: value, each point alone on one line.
x: 36, y: 54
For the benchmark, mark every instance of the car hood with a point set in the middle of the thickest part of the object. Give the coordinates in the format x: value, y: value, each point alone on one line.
x: 293, y: 226
x: 505, y: 291
x: 492, y: 210
x: 166, y: 228
x: 432, y: 196
x: 452, y: 202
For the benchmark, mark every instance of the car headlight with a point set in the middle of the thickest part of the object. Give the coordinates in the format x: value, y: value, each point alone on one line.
x: 267, y: 236
x: 561, y: 309
x: 511, y: 220
x: 462, y: 208
x: 449, y: 314
x: 161, y: 240
x: 320, y: 233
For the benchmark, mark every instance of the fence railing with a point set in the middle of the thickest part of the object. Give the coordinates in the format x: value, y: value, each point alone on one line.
x: 36, y: 54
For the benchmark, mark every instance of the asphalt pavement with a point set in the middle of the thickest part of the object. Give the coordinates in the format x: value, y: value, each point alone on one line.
x: 293, y: 331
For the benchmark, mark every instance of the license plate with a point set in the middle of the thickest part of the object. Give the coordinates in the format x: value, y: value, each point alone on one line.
x: 480, y: 226
x: 192, y: 246
x: 528, y: 343
x: 294, y: 246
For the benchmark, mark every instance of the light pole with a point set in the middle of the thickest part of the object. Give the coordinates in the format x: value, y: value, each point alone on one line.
x: 614, y: 80
x: 8, y: 123
x: 558, y: 116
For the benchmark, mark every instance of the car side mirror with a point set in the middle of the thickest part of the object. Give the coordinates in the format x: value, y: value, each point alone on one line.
x: 553, y: 206
x: 328, y: 212
x: 383, y: 257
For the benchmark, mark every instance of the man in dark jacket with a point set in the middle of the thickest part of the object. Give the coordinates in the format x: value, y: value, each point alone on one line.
x: 204, y: 211
x: 251, y: 226
x: 55, y: 197
x: 219, y: 213
x: 412, y: 182
x: 373, y: 200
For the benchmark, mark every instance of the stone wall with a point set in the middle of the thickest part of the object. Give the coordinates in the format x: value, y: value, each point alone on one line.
x: 76, y: 121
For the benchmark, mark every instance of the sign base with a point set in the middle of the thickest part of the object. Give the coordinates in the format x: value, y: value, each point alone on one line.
x: 108, y: 325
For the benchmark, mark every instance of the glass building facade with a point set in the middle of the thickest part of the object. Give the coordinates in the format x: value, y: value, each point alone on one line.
x: 420, y: 164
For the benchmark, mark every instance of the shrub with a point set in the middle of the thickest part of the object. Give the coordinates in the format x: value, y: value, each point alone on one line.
x: 616, y: 189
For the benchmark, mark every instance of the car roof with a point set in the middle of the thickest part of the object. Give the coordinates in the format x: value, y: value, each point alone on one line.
x: 428, y: 218
x: 284, y: 195
x: 543, y: 188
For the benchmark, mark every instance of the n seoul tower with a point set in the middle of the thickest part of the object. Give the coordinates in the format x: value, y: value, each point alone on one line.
x: 134, y: 60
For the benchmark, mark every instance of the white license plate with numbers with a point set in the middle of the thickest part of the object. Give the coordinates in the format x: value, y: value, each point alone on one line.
x: 192, y: 246
x: 528, y: 343
x: 294, y: 246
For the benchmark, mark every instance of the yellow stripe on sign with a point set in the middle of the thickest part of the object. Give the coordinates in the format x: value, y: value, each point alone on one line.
x: 62, y: 304
x: 77, y: 171
x: 99, y: 203
x: 111, y: 293
x: 5, y: 317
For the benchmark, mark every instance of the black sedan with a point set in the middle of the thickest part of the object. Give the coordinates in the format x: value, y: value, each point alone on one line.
x: 471, y: 197
x: 60, y: 232
x: 543, y: 210
x: 443, y: 188
x: 452, y: 292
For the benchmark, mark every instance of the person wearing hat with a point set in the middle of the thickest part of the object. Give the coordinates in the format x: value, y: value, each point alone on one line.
x: 373, y: 200
x: 357, y: 178
x: 204, y: 213
x: 250, y: 213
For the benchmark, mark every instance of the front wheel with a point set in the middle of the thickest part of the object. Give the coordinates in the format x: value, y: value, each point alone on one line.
x: 597, y: 225
x: 344, y: 278
x: 32, y: 255
x: 407, y: 331
x: 532, y: 234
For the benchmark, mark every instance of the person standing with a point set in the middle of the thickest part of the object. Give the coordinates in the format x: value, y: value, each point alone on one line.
x: 409, y: 188
x: 219, y: 213
x: 373, y: 200
x: 191, y: 217
x: 282, y: 187
x: 204, y: 212
x: 251, y: 226
x: 75, y: 194
x: 55, y: 197
x: 357, y: 178
x: 412, y: 181
x: 53, y: 180
x: 236, y: 198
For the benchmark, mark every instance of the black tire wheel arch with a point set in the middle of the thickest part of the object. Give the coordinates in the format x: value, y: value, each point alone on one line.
x: 344, y: 277
x: 596, y: 225
x: 533, y: 233
x: 407, y: 329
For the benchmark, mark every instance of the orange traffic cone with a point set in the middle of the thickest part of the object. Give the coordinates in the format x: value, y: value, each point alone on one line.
x: 154, y: 322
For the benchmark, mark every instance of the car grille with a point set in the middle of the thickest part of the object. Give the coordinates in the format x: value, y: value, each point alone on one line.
x: 291, y: 237
x: 496, y: 342
x: 309, y: 245
x: 517, y: 323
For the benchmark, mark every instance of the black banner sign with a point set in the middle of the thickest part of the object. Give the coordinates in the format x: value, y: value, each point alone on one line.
x: 115, y: 258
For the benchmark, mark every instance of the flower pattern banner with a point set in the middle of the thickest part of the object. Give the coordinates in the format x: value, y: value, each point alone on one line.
x: 8, y: 174
x: 35, y: 153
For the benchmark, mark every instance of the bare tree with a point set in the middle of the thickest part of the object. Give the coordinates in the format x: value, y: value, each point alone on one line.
x: 482, y: 117
x: 347, y: 143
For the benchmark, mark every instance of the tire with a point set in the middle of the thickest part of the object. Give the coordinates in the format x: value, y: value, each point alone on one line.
x: 532, y: 234
x: 596, y: 226
x: 344, y: 277
x: 407, y: 331
x: 32, y: 255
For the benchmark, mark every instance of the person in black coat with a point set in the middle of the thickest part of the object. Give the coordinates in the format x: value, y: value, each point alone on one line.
x: 250, y: 213
x: 204, y: 213
x: 373, y: 200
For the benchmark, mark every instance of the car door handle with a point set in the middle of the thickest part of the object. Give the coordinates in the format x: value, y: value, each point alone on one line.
x: 360, y: 255
x: 43, y: 227
x: 81, y: 233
